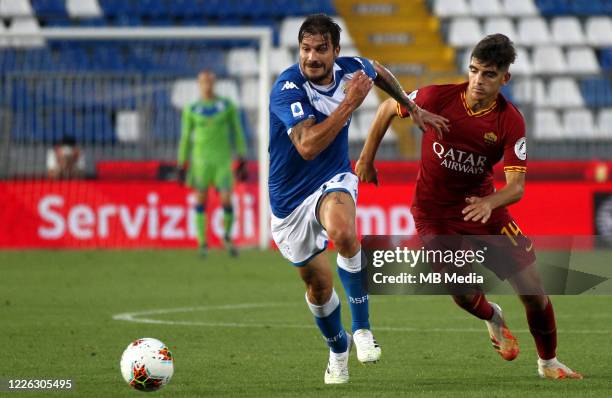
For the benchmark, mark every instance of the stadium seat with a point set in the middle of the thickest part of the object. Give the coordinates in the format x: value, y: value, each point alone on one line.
x: 281, y: 59
x: 582, y: 60
x: 127, y: 126
x: 597, y: 91
x: 604, y: 123
x: 371, y: 101
x: 579, y: 123
x: 450, y: 8
x: 49, y: 9
x: 547, y: 125
x: 26, y: 26
x: 249, y: 92
x: 242, y: 62
x: 567, y: 31
x: 83, y: 8
x: 563, y: 92
x: 606, y: 59
x: 500, y: 25
x: 599, y: 31
x: 522, y: 64
x: 15, y: 8
x: 529, y: 91
x: 464, y: 32
x: 4, y: 41
x: 519, y: 8
x: 553, y: 7
x: 549, y: 60
x: 485, y: 8
x: 289, y: 32
x: 533, y: 31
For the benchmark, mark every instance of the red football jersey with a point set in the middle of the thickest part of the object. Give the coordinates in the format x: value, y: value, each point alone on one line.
x: 461, y: 163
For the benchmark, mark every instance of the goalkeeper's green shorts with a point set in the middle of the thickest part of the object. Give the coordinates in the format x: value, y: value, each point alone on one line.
x: 203, y: 175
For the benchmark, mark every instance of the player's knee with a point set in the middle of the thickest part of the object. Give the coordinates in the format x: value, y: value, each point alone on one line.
x: 319, y: 293
x: 342, y: 235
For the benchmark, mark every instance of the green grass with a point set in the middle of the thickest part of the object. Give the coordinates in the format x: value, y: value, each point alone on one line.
x: 56, y: 320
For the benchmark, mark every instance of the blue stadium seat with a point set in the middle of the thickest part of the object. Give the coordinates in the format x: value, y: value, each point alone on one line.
x: 49, y: 8
x: 597, y: 92
x: 606, y: 59
x: 574, y: 7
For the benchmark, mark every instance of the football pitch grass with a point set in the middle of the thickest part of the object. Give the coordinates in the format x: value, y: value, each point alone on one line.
x: 240, y: 327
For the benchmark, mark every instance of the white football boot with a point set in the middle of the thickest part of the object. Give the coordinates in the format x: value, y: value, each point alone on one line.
x: 368, y: 350
x: 337, y: 367
x: 553, y: 369
x: 502, y: 339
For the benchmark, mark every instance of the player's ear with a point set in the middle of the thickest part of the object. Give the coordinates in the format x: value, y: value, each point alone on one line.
x: 507, y: 77
x: 337, y: 51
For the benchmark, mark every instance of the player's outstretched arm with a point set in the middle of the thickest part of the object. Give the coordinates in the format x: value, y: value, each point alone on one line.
x: 311, y: 139
x: 479, y: 209
x: 364, y: 168
x: 386, y: 81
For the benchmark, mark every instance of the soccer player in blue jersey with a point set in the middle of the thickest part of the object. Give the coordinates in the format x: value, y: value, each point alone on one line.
x: 313, y: 191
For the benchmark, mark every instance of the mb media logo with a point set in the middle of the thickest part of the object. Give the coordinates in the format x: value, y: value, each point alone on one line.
x: 288, y: 86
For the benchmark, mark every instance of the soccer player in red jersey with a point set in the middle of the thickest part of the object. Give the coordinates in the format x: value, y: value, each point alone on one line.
x: 455, y: 194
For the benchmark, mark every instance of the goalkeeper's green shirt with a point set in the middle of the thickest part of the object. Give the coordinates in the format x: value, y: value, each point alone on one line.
x: 209, y: 128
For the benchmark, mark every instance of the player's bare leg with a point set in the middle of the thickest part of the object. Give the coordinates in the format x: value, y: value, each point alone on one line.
x: 337, y: 215
x: 200, y: 219
x: 502, y: 339
x: 228, y: 220
x: 542, y: 325
x: 324, y: 304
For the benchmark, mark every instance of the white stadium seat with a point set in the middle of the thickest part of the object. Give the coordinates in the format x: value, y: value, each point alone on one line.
x: 345, y: 36
x: 522, y: 64
x: 547, y: 125
x: 548, y: 60
x: 563, y: 92
x: 519, y: 8
x: 582, y: 60
x: 579, y: 123
x: 281, y: 59
x: 15, y: 8
x: 83, y: 8
x: 249, y: 92
x: 599, y: 31
x: 604, y: 123
x: 532, y: 31
x: 229, y: 89
x: 26, y: 26
x: 485, y: 8
x: 450, y: 8
x: 529, y: 91
x: 567, y: 31
x: 464, y: 32
x: 289, y: 30
x: 4, y: 41
x: 242, y: 62
x: 500, y: 25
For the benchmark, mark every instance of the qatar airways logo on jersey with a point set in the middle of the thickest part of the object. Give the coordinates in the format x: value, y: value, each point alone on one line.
x: 457, y: 160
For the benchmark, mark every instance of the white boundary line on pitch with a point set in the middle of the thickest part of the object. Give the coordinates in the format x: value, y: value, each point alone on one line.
x: 136, y: 317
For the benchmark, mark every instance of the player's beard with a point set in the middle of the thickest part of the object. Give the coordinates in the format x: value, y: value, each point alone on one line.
x: 325, y: 73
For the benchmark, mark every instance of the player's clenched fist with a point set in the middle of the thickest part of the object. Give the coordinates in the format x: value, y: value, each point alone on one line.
x: 358, y: 88
x: 366, y: 172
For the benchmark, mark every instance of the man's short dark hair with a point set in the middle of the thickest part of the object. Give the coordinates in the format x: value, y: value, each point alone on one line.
x: 496, y: 49
x: 320, y: 24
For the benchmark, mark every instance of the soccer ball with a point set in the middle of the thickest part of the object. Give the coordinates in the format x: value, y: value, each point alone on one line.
x: 147, y: 364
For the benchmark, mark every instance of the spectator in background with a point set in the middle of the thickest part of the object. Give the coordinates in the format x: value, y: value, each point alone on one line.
x: 65, y: 160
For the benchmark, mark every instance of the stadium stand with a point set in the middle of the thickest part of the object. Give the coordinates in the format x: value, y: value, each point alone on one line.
x: 562, y: 79
x: 563, y: 71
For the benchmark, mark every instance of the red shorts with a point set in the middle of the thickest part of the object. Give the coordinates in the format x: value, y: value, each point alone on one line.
x: 508, y: 250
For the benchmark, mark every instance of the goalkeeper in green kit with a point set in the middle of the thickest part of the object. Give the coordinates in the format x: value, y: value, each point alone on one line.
x: 209, y: 128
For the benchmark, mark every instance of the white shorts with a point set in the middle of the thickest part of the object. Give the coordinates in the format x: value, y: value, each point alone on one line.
x: 300, y: 236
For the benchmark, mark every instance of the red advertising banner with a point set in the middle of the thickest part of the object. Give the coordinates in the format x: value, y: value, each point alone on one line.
x: 122, y: 214
x: 41, y: 214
